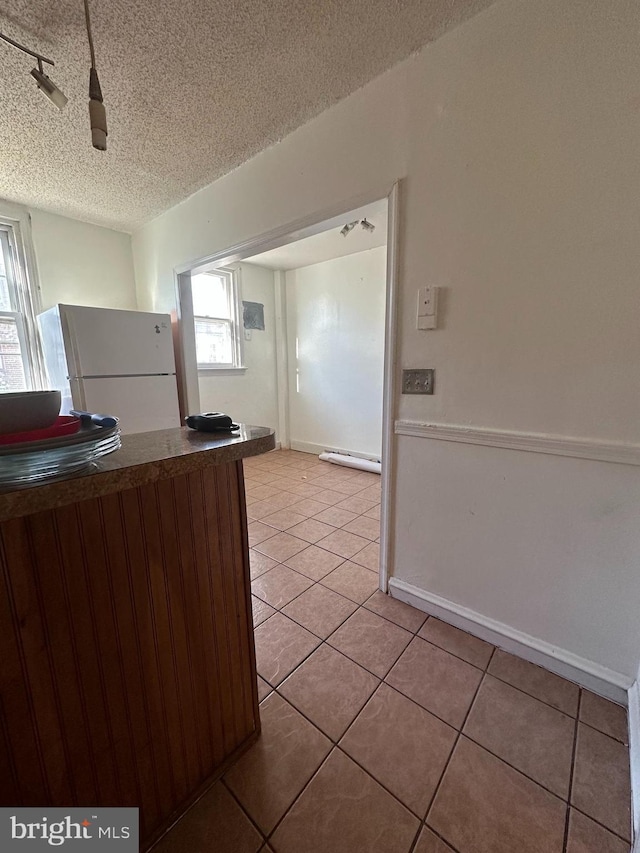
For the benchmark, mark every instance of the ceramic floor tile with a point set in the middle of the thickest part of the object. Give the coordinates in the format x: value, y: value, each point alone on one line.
x: 430, y: 843
x: 369, y: 528
x: 283, y: 519
x: 526, y: 733
x: 330, y: 690
x: 396, y: 611
x: 371, y: 493
x: 314, y: 562
x: 356, y: 504
x: 279, y: 586
x: 374, y: 512
x: 306, y: 490
x: 258, y: 532
x: 271, y: 774
x: 262, y: 492
x: 261, y: 611
x: 485, y: 806
x: 289, y: 482
x: 332, y: 478
x: 343, y: 810
x: 538, y: 682
x: 259, y: 563
x: 281, y: 645
x: 586, y: 836
x: 401, y: 745
x: 458, y: 642
x: 605, y: 716
x: 440, y: 682
x: 349, y: 488
x: 329, y: 497
x: 352, y: 581
x: 303, y: 463
x: 320, y: 610
x: 280, y: 501
x: 215, y: 822
x: 308, y: 507
x: 281, y: 546
x: 601, y: 786
x: 263, y: 689
x: 254, y: 477
x: 311, y: 530
x: 373, y: 642
x: 335, y: 517
x: 369, y: 557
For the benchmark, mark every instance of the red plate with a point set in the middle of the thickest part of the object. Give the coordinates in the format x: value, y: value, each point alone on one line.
x: 64, y: 425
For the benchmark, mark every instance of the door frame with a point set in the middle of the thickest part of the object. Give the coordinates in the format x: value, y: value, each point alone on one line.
x: 290, y: 233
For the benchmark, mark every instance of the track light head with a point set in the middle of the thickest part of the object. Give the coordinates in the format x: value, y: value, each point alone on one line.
x: 97, y: 113
x: 348, y: 227
x: 46, y: 85
x: 368, y: 226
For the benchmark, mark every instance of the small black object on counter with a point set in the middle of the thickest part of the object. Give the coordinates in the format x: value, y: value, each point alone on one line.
x: 211, y: 422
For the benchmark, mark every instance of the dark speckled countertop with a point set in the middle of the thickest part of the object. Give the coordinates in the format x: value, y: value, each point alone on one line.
x: 143, y: 458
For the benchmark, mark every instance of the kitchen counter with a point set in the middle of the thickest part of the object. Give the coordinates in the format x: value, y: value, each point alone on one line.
x: 143, y: 458
x: 126, y: 637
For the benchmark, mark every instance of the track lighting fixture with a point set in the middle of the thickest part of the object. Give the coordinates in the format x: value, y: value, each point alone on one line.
x: 45, y: 83
x: 366, y: 225
x: 348, y: 227
x: 97, y: 113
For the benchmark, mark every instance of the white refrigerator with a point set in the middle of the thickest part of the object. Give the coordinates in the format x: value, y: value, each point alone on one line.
x: 113, y: 362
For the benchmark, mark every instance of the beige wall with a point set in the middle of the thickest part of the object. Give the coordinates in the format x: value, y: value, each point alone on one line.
x: 335, y: 337
x: 82, y: 264
x: 516, y: 138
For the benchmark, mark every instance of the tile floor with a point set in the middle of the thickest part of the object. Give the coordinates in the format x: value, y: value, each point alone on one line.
x: 387, y: 732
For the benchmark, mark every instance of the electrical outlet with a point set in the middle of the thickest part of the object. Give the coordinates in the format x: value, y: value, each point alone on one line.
x: 418, y: 381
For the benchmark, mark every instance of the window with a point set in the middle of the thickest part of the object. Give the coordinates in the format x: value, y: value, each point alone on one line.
x: 20, y: 361
x: 216, y: 315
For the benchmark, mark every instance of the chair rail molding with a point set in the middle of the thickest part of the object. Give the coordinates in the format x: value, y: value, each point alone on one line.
x: 556, y: 445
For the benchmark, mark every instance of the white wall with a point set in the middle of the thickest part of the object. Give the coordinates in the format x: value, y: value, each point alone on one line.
x: 82, y: 264
x: 335, y: 334
x: 250, y: 397
x: 516, y: 136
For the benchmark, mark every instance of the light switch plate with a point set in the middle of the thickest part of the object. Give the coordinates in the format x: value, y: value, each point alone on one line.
x: 418, y: 381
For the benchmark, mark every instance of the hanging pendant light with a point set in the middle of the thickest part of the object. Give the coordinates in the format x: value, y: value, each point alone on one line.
x: 97, y: 112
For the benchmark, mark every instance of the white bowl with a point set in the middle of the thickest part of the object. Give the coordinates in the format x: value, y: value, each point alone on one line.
x: 27, y: 410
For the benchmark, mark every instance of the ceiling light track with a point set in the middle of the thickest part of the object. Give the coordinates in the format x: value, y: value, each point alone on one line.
x: 45, y: 83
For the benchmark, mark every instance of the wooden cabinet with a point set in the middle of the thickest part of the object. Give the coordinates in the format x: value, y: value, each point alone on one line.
x: 126, y: 646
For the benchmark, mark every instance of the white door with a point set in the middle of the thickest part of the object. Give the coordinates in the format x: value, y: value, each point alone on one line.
x: 107, y: 342
x: 142, y: 403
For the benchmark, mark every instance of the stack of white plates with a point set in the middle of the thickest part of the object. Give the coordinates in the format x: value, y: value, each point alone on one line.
x: 31, y: 462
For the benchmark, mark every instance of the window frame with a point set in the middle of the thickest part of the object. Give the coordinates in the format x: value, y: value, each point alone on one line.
x: 15, y: 233
x: 232, y: 275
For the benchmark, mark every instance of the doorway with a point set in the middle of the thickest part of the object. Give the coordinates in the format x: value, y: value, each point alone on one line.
x: 305, y: 319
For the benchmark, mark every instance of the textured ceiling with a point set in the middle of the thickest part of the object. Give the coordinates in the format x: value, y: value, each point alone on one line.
x: 193, y: 88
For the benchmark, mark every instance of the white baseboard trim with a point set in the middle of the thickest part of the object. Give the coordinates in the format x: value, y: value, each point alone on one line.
x: 556, y: 445
x: 599, y: 679
x: 634, y: 758
x: 317, y: 449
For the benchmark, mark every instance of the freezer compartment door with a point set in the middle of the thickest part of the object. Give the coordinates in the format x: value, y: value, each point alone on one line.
x: 109, y: 342
x: 143, y: 403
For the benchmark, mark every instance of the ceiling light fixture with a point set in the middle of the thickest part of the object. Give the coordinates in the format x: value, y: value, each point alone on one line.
x: 97, y: 113
x: 348, y: 227
x: 45, y: 84
x: 368, y: 226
